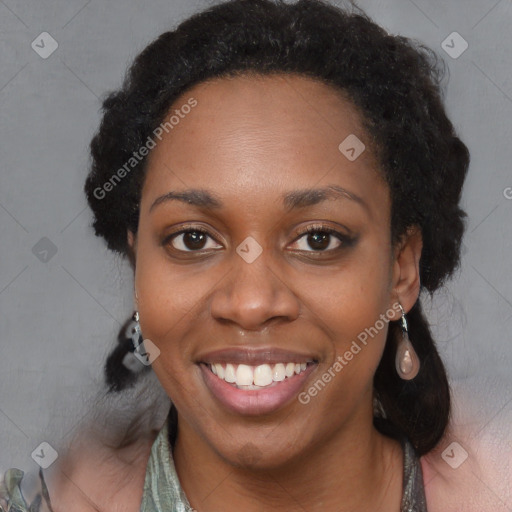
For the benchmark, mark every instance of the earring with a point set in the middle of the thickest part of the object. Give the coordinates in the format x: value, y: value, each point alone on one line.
x: 135, y: 332
x: 407, y: 362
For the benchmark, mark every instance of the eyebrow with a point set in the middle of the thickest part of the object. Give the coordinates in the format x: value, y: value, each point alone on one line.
x: 291, y: 200
x: 310, y: 197
x: 195, y: 197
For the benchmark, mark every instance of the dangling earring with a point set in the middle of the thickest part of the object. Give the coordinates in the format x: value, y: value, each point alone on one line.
x: 407, y: 362
x: 135, y: 331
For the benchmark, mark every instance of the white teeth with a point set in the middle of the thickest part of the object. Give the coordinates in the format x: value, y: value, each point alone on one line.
x: 220, y: 370
x: 256, y: 377
x: 263, y: 375
x: 290, y: 369
x: 244, y: 375
x: 230, y: 375
x: 279, y: 372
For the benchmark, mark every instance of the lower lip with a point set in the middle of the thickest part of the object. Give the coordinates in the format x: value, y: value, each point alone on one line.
x: 255, y: 401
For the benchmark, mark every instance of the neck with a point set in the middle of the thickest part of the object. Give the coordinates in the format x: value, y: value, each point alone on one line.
x: 356, y: 470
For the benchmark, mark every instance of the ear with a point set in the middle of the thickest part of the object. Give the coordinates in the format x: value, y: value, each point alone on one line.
x: 406, y: 269
x: 131, y: 238
x: 132, y: 243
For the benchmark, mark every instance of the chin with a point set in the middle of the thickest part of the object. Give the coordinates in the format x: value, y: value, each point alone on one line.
x: 263, y: 454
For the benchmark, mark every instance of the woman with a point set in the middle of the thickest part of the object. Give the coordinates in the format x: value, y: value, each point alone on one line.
x: 285, y: 182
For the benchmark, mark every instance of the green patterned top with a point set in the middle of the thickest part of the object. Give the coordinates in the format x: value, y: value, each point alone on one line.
x: 11, y: 497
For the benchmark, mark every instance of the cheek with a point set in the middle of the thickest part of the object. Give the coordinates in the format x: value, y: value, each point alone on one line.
x: 169, y: 300
x: 350, y: 305
x: 170, y: 297
x: 354, y: 296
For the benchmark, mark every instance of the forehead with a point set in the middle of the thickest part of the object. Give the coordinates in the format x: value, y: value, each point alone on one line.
x: 252, y: 135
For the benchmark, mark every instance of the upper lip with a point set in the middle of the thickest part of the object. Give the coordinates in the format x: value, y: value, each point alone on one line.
x: 254, y: 356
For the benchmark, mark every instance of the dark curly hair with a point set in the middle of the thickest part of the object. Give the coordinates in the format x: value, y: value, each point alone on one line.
x: 395, y: 83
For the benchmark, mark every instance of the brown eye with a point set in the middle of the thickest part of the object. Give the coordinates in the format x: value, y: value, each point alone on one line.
x: 322, y: 239
x: 190, y: 240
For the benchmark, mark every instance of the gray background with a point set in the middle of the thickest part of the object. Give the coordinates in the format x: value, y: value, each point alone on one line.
x: 59, y: 318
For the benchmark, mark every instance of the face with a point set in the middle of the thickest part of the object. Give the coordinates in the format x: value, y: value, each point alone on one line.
x: 231, y: 286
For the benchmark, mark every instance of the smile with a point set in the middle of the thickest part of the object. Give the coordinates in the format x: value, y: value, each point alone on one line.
x: 254, y: 383
x: 248, y: 377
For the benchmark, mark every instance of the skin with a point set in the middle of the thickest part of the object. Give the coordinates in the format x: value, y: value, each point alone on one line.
x: 249, y: 141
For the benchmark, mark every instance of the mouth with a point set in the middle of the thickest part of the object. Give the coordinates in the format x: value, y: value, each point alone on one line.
x: 264, y: 382
x: 243, y: 376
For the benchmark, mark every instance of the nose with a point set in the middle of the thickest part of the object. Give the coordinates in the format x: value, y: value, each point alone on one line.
x: 254, y: 295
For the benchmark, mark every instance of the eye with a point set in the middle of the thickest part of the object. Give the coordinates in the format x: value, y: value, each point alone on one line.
x: 191, y: 239
x: 322, y: 238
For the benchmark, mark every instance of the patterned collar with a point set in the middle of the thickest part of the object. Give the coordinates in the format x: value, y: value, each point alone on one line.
x: 11, y: 496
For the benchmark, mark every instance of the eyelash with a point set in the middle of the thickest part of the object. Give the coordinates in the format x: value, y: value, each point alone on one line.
x: 346, y: 241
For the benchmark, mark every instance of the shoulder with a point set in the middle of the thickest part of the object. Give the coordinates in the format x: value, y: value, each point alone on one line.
x: 94, y: 473
x: 471, y: 467
x: 92, y: 477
